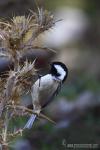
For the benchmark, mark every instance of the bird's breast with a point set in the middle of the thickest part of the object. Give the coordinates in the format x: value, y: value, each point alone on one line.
x: 44, y: 89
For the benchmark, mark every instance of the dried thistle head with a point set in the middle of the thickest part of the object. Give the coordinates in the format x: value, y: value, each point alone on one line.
x: 26, y: 70
x: 21, y: 31
x: 44, y: 19
x: 25, y: 76
x: 20, y: 26
x: 19, y: 82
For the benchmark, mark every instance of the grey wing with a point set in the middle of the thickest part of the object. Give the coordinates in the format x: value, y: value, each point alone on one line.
x: 53, y: 95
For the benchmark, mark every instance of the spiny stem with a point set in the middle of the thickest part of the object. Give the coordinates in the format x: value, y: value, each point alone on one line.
x: 6, y: 127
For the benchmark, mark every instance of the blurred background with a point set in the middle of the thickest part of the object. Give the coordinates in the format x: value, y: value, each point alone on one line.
x: 76, y: 40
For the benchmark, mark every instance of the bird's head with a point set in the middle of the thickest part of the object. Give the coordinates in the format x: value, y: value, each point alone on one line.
x: 59, y: 71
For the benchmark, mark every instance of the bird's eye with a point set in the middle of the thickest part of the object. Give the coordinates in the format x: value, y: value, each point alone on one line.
x: 58, y: 74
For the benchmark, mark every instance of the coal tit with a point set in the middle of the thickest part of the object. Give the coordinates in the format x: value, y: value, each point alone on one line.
x: 46, y: 88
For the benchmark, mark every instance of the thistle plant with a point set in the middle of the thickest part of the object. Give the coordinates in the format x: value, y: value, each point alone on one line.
x: 17, y: 36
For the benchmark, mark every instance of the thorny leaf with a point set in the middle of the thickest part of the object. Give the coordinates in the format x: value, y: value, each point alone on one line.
x: 24, y: 76
x: 44, y: 19
x: 27, y: 70
x: 18, y: 81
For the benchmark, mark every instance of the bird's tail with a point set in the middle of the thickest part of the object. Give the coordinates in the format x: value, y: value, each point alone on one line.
x: 30, y: 122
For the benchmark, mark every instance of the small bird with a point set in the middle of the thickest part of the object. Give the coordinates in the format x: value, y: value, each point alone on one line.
x: 46, y: 88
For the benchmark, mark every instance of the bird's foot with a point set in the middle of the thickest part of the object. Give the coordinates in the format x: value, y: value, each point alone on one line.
x: 37, y: 112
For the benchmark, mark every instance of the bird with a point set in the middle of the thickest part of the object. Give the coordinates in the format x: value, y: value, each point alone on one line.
x: 46, y: 88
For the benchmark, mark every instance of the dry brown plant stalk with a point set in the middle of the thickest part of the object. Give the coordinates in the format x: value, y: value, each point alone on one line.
x: 17, y: 37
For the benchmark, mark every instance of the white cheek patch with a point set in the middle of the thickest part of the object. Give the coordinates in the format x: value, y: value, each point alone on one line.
x: 61, y: 71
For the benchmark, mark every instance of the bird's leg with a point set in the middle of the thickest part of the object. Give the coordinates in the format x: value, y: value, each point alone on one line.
x: 37, y: 107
